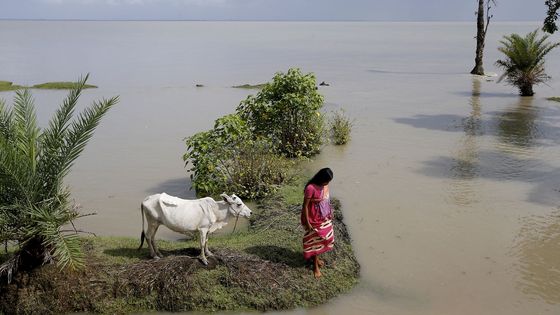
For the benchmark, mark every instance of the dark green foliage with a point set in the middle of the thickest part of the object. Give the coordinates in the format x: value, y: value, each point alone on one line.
x: 551, y: 16
x: 524, y: 62
x: 248, y: 152
x: 227, y: 158
x: 34, y: 204
x: 340, y: 127
x: 286, y: 111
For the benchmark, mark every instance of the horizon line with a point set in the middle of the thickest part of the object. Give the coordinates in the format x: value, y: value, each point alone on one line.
x: 246, y: 20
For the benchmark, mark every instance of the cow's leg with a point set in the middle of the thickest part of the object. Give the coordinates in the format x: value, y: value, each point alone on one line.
x: 150, y: 235
x: 156, y: 249
x: 203, y: 239
x: 206, y: 250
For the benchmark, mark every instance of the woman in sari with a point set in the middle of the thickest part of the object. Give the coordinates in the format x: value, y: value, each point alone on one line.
x: 316, y: 218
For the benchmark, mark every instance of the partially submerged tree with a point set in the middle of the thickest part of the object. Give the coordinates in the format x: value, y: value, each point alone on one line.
x: 524, y: 62
x: 482, y: 21
x: 35, y: 209
x: 551, y: 16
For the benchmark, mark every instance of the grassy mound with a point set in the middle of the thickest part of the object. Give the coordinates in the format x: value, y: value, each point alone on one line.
x: 60, y: 86
x: 9, y: 86
x: 554, y: 98
x: 259, y: 269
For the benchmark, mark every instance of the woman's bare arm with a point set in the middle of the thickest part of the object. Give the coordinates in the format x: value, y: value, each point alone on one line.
x: 306, y: 204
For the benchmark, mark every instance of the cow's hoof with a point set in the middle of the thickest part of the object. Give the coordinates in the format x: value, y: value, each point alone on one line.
x: 160, y: 255
x: 156, y: 257
x: 209, y: 253
x: 204, y: 261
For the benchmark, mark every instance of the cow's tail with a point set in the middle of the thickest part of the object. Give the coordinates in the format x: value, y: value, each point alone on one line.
x: 143, y: 235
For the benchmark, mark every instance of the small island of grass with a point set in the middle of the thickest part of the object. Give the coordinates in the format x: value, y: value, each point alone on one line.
x: 554, y: 98
x: 9, y: 86
x: 259, y: 269
x: 249, y: 86
x: 61, y: 86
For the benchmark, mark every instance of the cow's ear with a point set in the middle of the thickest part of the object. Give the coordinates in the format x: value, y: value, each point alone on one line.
x: 226, y: 198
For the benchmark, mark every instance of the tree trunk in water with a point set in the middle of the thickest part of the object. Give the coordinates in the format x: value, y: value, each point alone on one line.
x: 480, y: 35
x: 526, y: 90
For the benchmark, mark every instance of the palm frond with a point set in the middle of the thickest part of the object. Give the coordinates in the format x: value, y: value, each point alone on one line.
x: 53, y: 141
x: 81, y: 131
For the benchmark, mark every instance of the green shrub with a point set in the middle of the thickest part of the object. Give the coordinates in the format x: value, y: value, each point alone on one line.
x: 340, y: 127
x: 209, y: 151
x: 286, y: 112
x: 255, y: 171
x: 226, y: 158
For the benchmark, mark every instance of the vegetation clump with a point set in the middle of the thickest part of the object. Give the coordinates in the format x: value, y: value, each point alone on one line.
x: 227, y: 157
x: 34, y: 203
x: 340, y: 127
x: 524, y: 62
x: 261, y: 269
x: 286, y: 111
x: 250, y: 151
x: 554, y: 98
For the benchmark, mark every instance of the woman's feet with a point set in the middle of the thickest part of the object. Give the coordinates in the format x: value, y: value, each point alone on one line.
x: 318, y: 264
x: 317, y: 273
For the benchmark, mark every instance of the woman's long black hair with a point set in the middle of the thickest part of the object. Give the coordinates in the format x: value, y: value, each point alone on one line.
x: 323, y: 176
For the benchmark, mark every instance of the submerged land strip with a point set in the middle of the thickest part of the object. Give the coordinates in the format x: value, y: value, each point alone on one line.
x: 258, y: 269
x: 250, y: 86
x: 10, y: 86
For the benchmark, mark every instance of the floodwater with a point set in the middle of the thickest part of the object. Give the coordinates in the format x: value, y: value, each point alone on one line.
x: 450, y: 185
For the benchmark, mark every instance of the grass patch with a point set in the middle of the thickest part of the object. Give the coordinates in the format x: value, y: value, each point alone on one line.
x: 554, y: 98
x: 9, y: 86
x: 60, y: 86
x: 249, y: 86
x: 259, y: 269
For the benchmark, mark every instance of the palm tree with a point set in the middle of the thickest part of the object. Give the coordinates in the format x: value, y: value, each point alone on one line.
x: 35, y: 210
x: 524, y: 63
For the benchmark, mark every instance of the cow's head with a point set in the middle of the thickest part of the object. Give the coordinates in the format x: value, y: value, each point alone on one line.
x: 236, y: 205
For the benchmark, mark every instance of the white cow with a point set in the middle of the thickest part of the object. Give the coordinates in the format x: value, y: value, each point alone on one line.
x: 205, y: 215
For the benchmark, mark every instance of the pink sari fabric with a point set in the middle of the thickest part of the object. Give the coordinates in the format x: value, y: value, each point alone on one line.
x: 321, y: 238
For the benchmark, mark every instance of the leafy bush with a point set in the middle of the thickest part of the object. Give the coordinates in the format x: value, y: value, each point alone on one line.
x: 255, y: 171
x: 286, y: 112
x: 340, y: 127
x: 226, y: 158
x: 209, y: 151
x: 34, y: 205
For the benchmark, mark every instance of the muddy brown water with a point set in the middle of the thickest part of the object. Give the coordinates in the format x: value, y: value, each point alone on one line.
x: 450, y: 184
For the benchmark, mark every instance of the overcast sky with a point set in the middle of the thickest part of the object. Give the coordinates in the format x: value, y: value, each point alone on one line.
x: 375, y: 10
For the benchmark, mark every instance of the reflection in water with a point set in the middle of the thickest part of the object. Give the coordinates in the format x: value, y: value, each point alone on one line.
x: 465, y: 167
x: 538, y: 252
x: 517, y: 126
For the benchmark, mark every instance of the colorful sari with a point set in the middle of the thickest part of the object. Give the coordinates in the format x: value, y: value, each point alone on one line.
x: 320, y: 239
